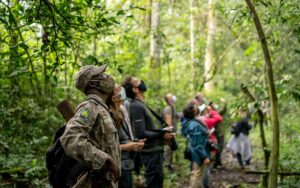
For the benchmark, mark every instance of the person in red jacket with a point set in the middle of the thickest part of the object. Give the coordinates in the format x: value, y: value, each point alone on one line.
x: 210, y: 118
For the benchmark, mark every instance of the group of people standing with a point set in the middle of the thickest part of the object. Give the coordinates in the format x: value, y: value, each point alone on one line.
x: 205, y: 133
x: 201, y: 125
x: 111, y: 128
x: 114, y: 129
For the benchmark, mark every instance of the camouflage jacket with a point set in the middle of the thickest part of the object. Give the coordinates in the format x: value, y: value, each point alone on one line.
x: 91, y: 136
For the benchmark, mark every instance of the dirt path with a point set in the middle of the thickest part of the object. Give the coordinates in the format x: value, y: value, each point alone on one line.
x: 231, y: 175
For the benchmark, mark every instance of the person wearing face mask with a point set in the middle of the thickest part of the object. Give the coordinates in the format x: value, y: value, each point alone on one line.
x: 170, y: 117
x: 126, y: 138
x: 144, y: 125
x: 197, y: 136
x: 211, y: 118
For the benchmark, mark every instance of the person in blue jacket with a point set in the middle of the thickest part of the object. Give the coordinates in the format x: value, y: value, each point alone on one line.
x: 197, y: 136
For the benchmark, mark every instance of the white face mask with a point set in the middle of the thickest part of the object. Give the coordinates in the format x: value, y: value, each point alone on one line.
x: 201, y: 108
x: 174, y: 98
x: 123, y: 94
x: 120, y: 96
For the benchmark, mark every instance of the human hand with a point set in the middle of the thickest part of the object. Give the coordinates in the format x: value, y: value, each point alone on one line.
x: 169, y: 136
x: 169, y: 128
x: 112, y: 169
x: 206, y: 161
x: 135, y: 146
x: 141, y: 143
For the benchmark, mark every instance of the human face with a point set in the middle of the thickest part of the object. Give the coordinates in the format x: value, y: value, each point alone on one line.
x: 170, y: 99
x: 196, y: 110
x: 119, y: 94
x: 139, y: 86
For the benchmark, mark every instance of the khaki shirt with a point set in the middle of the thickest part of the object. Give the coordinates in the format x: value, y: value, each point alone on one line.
x: 171, y: 111
x: 91, y: 136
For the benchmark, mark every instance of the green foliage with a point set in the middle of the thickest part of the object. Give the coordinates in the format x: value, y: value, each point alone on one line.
x: 43, y: 43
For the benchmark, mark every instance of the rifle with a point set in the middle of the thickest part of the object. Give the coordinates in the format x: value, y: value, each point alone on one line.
x: 66, y: 109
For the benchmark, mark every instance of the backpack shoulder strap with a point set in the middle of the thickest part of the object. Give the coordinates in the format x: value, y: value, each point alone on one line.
x: 74, y: 172
x: 157, y: 117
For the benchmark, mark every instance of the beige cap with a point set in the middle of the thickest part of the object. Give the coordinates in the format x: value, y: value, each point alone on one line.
x: 86, y: 73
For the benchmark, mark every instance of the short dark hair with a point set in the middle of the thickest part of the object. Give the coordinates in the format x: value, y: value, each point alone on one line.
x: 127, y: 84
x: 198, y: 96
x: 188, y: 111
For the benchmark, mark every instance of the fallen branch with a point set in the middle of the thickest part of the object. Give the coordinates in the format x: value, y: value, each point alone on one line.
x: 267, y: 172
x: 12, y: 171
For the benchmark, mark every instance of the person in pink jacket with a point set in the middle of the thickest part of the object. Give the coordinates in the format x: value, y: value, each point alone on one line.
x: 210, y: 118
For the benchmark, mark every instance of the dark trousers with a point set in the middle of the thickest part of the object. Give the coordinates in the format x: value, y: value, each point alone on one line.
x: 221, y: 143
x: 137, y: 164
x: 153, y: 163
x: 125, y: 180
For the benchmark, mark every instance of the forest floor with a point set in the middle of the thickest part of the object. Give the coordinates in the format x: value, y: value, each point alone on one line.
x: 231, y: 175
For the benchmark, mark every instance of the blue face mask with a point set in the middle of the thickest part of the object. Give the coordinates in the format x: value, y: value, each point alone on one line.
x: 142, y: 86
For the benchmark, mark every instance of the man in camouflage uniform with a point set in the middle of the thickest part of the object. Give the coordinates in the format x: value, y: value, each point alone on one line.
x: 90, y: 136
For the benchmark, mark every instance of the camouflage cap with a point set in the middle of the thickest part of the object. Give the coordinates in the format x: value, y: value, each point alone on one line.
x: 107, y: 84
x: 86, y: 73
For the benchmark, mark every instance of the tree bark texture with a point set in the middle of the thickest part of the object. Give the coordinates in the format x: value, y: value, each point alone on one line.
x: 192, y: 41
x: 262, y: 134
x: 273, y: 98
x: 209, y: 52
x: 155, y: 46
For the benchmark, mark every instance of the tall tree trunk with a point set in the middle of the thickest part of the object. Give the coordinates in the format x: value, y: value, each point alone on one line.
x: 211, y: 30
x: 273, y: 97
x: 155, y: 46
x: 192, y: 42
x: 262, y: 134
x: 171, y: 7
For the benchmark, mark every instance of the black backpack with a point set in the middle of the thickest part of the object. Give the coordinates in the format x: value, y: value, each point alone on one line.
x: 62, y: 169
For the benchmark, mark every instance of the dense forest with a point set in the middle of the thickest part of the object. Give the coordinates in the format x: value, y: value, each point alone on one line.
x: 247, y: 52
